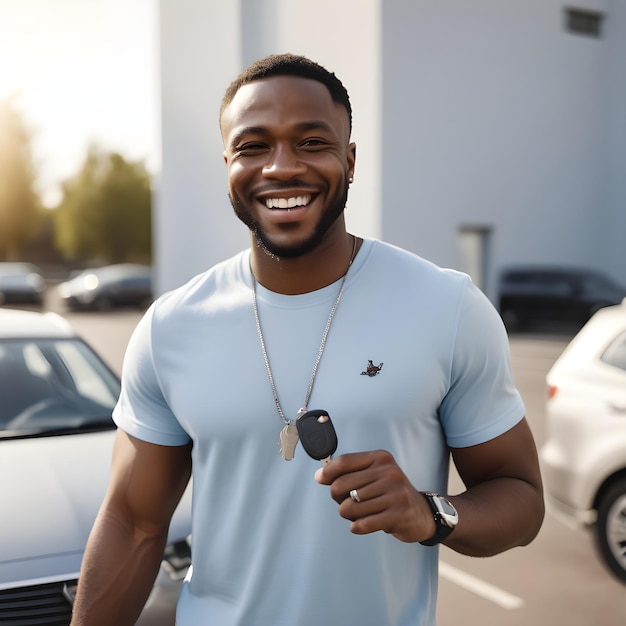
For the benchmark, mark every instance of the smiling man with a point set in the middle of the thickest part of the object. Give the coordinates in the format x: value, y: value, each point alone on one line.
x: 222, y: 374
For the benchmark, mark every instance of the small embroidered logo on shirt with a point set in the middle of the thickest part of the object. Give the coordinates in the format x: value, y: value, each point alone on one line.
x: 371, y: 369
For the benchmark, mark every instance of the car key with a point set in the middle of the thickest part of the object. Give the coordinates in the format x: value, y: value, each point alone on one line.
x: 317, y: 435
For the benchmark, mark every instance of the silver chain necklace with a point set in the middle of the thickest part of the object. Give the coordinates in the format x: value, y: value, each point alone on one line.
x: 288, y: 439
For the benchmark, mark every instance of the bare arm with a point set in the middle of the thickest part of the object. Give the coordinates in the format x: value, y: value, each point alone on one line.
x: 502, y: 507
x: 126, y: 544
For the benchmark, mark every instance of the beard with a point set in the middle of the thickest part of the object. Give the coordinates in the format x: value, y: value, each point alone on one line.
x: 327, y: 219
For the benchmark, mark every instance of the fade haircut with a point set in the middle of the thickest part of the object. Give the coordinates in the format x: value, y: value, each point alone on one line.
x: 290, y: 65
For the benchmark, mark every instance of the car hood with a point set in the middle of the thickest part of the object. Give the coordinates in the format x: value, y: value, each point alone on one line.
x: 51, y: 489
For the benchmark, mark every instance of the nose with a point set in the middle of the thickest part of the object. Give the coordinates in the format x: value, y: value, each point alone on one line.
x: 283, y: 164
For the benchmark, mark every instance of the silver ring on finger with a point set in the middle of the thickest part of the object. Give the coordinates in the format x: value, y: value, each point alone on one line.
x: 354, y: 494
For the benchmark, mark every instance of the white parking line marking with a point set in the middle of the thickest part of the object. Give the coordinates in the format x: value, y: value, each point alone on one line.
x: 480, y: 587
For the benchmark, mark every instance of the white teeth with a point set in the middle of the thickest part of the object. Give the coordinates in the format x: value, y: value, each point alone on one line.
x: 287, y: 203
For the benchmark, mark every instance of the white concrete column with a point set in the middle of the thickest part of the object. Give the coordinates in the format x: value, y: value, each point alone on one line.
x: 194, y: 224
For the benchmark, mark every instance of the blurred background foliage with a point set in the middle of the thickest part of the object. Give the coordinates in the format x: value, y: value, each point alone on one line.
x: 20, y: 208
x: 104, y: 215
x: 105, y: 210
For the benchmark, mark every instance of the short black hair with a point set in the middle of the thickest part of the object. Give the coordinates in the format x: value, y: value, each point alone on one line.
x: 290, y: 65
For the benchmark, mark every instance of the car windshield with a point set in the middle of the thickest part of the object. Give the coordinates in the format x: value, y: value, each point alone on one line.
x: 53, y: 386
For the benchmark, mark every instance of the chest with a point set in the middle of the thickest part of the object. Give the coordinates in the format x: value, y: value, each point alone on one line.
x: 379, y: 370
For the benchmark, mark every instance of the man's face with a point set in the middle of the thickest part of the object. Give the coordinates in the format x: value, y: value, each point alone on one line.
x: 289, y: 157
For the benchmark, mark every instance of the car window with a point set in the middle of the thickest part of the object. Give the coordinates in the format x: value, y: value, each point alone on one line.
x: 53, y: 385
x: 557, y: 284
x: 541, y: 282
x: 88, y: 380
x: 615, y: 354
x: 517, y: 278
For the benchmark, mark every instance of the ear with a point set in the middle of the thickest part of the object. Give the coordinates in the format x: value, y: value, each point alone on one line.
x: 225, y: 157
x: 351, y: 159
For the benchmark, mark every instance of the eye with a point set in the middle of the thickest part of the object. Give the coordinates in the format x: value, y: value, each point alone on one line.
x: 250, y: 148
x: 314, y: 143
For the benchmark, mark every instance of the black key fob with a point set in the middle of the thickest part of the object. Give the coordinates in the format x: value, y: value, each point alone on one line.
x: 317, y: 434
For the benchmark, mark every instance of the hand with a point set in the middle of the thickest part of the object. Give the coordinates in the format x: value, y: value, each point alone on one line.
x: 388, y: 500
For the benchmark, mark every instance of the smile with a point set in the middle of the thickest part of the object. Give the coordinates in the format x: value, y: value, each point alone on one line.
x: 287, y: 203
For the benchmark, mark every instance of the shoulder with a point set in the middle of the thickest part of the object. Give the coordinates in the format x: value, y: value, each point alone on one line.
x: 399, y: 258
x: 213, y: 285
x: 399, y: 267
x: 443, y: 298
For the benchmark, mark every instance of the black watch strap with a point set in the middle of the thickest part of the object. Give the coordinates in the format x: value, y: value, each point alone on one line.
x: 445, y: 517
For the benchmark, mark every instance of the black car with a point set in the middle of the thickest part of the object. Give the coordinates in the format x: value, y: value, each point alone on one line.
x: 102, y: 288
x: 529, y: 296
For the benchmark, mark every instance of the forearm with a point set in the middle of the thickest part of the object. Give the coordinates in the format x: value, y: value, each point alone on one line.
x: 495, y: 516
x: 118, y: 571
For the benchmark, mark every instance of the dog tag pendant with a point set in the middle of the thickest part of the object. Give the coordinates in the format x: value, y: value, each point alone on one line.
x: 289, y: 437
x: 288, y: 441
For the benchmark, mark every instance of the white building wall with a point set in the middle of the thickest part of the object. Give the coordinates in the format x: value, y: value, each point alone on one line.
x: 482, y: 113
x: 614, y: 228
x: 493, y: 116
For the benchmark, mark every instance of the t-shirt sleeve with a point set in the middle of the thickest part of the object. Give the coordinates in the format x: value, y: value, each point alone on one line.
x: 141, y: 410
x: 482, y: 401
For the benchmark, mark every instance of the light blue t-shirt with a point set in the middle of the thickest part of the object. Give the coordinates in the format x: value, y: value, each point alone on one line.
x: 269, y: 547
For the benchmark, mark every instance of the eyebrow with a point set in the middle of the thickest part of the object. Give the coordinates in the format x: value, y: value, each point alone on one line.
x: 246, y: 130
x: 262, y: 130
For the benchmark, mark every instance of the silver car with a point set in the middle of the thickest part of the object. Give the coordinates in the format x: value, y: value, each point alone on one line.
x: 21, y: 283
x: 584, y: 457
x: 56, y: 436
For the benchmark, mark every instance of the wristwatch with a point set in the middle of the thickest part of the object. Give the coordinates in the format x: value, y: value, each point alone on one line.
x: 446, y: 517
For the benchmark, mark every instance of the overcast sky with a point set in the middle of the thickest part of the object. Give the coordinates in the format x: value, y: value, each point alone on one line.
x: 84, y: 71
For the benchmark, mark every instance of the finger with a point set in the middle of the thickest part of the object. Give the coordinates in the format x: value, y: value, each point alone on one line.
x: 390, y: 514
x: 371, y: 524
x: 403, y: 530
x: 352, y: 509
x: 380, y: 478
x: 364, y: 493
x: 343, y: 487
x: 377, y: 515
x: 344, y: 464
x: 367, y: 516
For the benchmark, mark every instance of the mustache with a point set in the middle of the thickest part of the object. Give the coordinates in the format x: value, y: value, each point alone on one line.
x: 284, y: 186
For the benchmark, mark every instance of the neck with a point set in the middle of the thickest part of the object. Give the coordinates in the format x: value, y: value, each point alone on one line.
x: 312, y: 271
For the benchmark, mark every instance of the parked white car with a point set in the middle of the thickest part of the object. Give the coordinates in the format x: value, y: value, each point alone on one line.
x: 584, y: 457
x: 56, y: 436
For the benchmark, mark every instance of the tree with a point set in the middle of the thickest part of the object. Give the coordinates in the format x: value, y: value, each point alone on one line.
x: 105, y: 213
x: 19, y: 203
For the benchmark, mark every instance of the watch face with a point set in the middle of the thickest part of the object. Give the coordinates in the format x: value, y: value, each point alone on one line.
x: 446, y: 518
x: 447, y: 510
